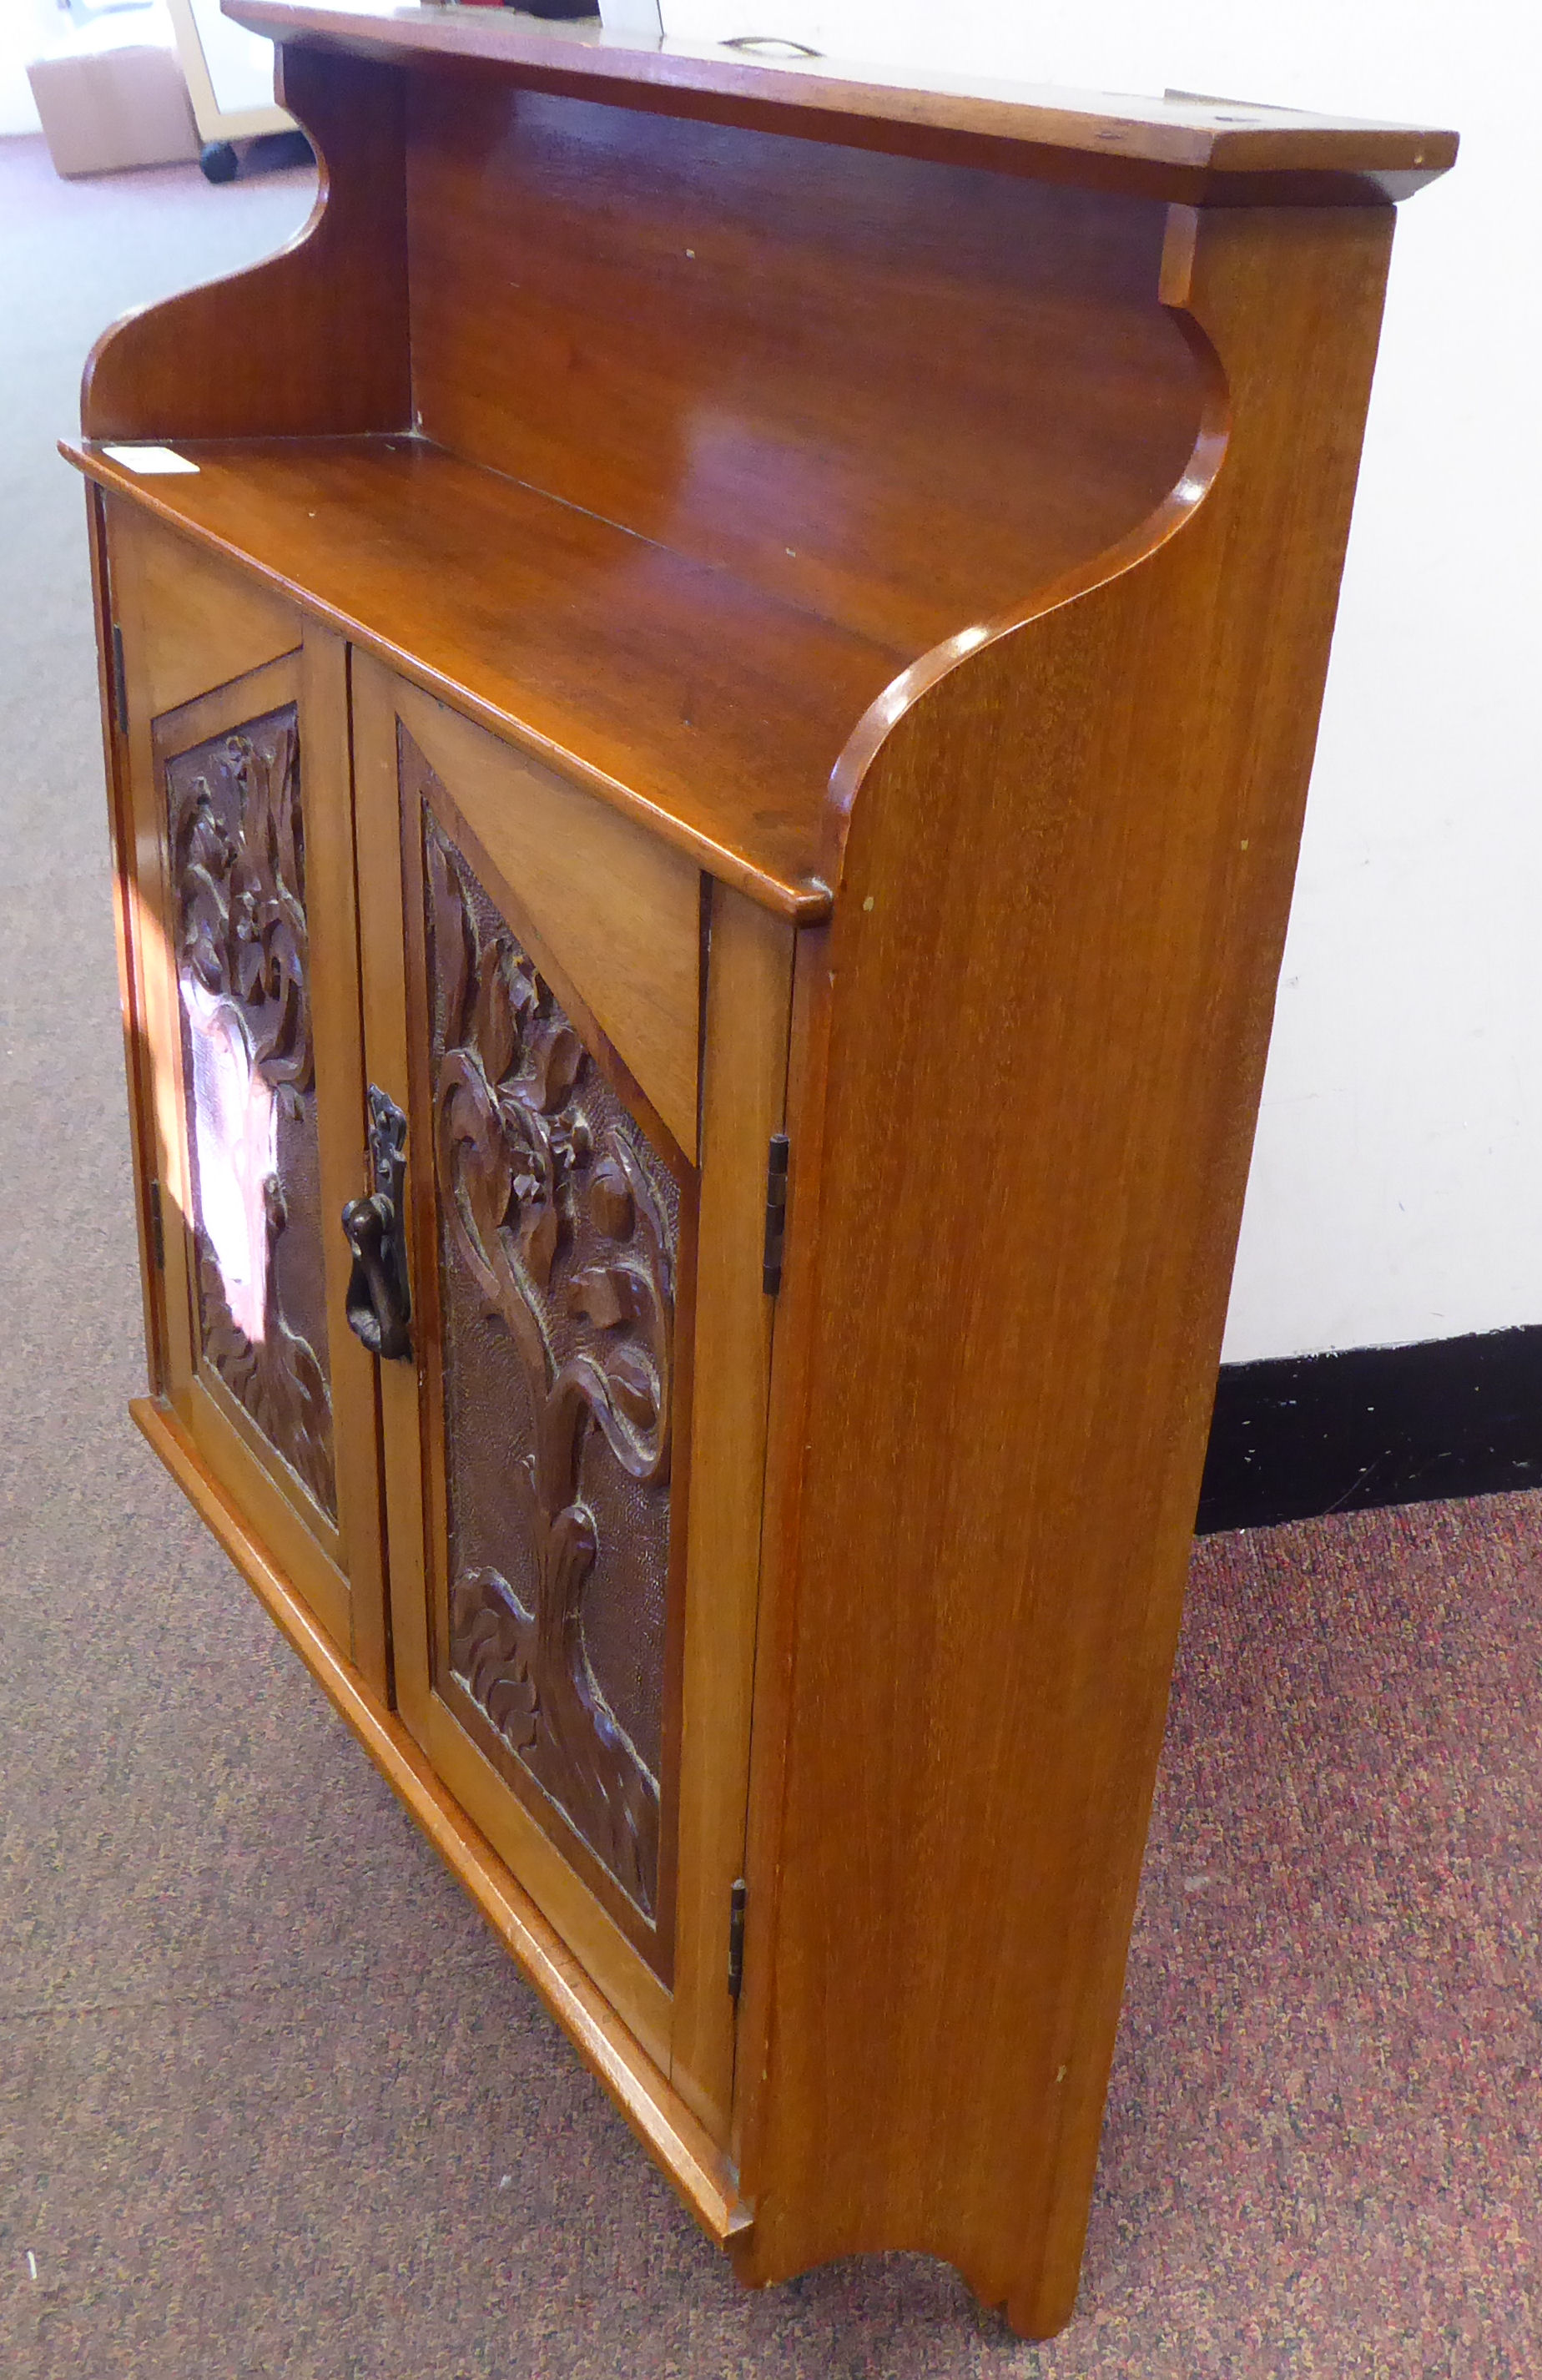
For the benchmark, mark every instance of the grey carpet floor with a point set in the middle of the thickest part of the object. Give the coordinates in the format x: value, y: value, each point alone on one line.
x: 272, y: 2100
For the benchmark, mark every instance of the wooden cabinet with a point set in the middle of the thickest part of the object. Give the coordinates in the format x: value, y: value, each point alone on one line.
x: 707, y: 743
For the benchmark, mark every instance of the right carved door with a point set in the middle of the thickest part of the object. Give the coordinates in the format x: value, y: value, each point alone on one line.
x: 574, y: 1420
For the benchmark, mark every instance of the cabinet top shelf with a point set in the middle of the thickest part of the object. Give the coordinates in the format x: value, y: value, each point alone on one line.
x: 705, y: 707
x: 693, y: 458
x: 1180, y: 147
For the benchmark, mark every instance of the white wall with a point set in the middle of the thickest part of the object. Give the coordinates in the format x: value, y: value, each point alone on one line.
x: 27, y: 28
x: 1396, y: 1191
x: 241, y: 63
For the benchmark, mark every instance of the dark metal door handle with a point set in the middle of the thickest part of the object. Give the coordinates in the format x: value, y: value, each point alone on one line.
x: 378, y: 1308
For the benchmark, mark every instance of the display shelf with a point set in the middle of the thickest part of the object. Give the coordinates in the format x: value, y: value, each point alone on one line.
x: 681, y: 694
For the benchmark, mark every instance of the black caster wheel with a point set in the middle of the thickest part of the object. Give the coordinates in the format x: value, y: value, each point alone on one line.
x: 218, y: 162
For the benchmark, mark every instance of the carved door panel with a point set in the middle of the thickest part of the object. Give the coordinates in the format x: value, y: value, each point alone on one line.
x: 575, y: 1483
x: 246, y: 959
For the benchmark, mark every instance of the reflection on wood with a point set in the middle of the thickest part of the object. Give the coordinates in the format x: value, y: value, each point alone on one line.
x: 238, y: 870
x: 554, y: 1214
x: 277, y: 1377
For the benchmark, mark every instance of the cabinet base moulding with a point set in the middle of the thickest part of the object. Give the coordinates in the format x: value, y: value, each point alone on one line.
x: 656, y: 2113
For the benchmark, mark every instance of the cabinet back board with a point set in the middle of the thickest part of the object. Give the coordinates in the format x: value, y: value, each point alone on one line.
x: 901, y: 395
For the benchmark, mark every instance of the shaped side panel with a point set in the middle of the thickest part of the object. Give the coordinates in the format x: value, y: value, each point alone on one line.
x: 311, y: 343
x: 1032, y: 1061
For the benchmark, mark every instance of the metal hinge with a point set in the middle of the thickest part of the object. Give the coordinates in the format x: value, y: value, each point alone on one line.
x: 737, y: 1936
x: 120, y: 683
x: 157, y: 1231
x: 776, y: 1210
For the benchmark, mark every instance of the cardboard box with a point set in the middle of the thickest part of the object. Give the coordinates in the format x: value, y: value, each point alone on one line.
x: 103, y: 108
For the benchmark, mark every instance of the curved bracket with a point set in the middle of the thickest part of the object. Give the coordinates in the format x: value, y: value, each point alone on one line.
x: 312, y: 341
x: 1145, y: 538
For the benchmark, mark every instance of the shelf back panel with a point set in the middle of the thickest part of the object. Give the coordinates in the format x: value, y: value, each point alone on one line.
x: 903, y: 395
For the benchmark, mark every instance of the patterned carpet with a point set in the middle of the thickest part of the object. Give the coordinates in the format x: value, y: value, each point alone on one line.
x: 271, y: 2101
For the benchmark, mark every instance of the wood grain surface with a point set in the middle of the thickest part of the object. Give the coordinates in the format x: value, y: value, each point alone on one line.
x: 744, y: 1088
x: 899, y: 396
x: 313, y: 341
x: 377, y: 854
x: 1180, y: 147
x: 200, y: 620
x: 709, y: 710
x: 1044, y: 1019
x: 326, y: 761
x: 128, y: 926
x: 612, y: 913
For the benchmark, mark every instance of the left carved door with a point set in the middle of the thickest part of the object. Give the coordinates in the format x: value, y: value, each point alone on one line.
x: 239, y: 901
